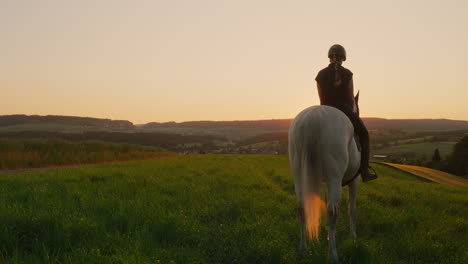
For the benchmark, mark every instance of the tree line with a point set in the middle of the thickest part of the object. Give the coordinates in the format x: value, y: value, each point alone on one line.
x: 455, y: 163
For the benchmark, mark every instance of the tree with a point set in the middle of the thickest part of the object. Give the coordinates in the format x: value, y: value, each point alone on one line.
x: 458, y: 160
x: 436, y: 156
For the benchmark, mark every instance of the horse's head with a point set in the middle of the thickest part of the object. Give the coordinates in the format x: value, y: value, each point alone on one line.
x: 356, y: 104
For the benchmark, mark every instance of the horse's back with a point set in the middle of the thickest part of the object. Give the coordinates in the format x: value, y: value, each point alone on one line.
x: 324, y: 123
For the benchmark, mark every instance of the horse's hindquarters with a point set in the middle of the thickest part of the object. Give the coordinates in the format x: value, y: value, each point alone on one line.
x: 321, y: 148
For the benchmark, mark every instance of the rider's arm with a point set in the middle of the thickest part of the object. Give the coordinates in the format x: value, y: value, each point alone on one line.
x: 320, y: 92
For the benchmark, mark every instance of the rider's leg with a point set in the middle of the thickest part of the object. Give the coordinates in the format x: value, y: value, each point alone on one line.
x: 361, y: 130
x: 364, y: 138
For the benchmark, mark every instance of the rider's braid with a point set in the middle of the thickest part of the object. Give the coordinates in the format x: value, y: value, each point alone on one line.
x: 337, y: 81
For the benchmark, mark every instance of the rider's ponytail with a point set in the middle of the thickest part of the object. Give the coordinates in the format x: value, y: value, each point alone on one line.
x: 337, y: 80
x: 337, y: 52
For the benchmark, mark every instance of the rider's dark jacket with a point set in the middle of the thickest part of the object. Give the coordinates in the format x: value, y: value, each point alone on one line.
x: 340, y: 97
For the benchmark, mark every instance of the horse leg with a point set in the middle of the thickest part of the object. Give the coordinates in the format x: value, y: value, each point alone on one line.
x: 334, y: 196
x: 296, y: 165
x: 353, y: 186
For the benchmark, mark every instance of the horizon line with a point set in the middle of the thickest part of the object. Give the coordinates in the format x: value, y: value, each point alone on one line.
x: 235, y: 120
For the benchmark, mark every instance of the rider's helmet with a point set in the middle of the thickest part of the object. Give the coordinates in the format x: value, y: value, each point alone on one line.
x: 337, y: 51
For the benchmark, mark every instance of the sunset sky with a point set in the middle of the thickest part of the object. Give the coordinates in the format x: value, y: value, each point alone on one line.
x: 229, y: 60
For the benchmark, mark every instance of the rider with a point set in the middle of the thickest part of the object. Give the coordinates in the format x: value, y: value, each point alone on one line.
x: 335, y: 88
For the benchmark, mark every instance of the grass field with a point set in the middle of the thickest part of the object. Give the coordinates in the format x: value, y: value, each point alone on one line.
x: 431, y: 174
x: 230, y: 133
x: 217, y: 209
x: 420, y: 149
x: 33, y: 153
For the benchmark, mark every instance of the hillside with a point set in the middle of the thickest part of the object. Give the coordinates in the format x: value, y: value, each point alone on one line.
x: 26, y: 122
x: 217, y: 209
x: 61, y: 123
x: 417, y: 139
x: 274, y: 124
x: 414, y: 125
x: 409, y: 125
x: 163, y: 140
x: 422, y: 149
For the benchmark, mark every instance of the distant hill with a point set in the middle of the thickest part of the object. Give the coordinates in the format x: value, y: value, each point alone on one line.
x: 279, y: 136
x: 257, y: 136
x: 409, y: 125
x: 273, y: 124
x: 13, y: 123
x: 31, y: 122
x: 413, y: 125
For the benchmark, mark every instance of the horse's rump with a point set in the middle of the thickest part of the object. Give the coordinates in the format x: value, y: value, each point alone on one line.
x: 321, y: 148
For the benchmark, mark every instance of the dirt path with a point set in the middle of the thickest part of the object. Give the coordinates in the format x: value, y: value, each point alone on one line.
x: 76, y: 165
x: 430, y: 174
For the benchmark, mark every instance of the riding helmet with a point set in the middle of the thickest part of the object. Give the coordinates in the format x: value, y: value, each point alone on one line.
x: 337, y: 51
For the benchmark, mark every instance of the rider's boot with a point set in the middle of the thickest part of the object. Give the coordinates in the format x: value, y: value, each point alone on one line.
x: 365, y: 173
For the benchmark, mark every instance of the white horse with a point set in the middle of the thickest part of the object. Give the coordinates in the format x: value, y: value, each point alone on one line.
x: 322, y: 149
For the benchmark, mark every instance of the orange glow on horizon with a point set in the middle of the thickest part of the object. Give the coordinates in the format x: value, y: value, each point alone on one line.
x: 228, y: 60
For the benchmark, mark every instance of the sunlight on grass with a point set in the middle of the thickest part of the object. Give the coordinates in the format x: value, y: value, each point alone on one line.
x: 217, y: 209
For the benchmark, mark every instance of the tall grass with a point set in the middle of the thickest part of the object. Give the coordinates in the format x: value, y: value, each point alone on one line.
x: 30, y: 153
x: 217, y: 209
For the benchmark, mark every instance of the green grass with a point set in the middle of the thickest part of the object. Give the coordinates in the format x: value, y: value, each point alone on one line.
x: 32, y: 153
x: 217, y: 209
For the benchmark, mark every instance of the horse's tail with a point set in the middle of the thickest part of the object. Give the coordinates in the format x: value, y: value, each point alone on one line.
x: 313, y: 203
x: 305, y: 157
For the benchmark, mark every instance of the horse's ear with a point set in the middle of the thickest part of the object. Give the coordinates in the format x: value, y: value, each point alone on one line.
x: 356, y: 98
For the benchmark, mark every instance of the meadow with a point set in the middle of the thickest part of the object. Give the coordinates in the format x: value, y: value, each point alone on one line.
x: 32, y: 153
x: 217, y: 209
x: 420, y: 149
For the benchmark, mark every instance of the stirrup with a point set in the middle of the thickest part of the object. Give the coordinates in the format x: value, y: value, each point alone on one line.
x: 375, y: 173
x: 369, y: 176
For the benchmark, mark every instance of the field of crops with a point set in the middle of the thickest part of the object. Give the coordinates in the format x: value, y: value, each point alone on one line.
x: 32, y: 153
x: 421, y: 149
x: 217, y: 209
x: 431, y: 174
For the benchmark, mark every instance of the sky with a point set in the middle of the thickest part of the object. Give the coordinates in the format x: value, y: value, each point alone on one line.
x: 184, y: 60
